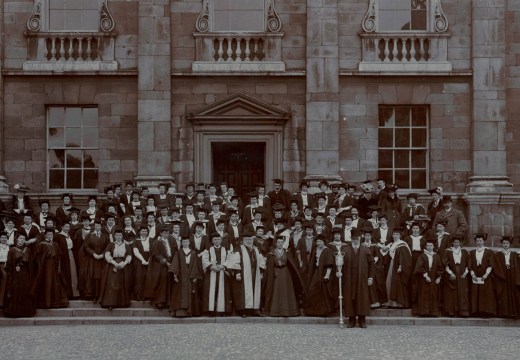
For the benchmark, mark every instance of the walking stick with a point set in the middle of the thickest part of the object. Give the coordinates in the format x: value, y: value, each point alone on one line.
x: 339, y: 265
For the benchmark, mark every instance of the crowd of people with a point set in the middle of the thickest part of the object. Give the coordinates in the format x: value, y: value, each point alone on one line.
x: 208, y: 252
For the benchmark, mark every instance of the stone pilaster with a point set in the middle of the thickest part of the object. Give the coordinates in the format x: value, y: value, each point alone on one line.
x: 154, y: 92
x: 322, y: 106
x: 3, y: 182
x: 489, y: 98
x: 490, y: 195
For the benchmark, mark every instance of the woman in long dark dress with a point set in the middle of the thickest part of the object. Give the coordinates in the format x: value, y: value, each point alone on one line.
x: 281, y: 290
x: 48, y: 286
x: 186, y: 273
x: 17, y: 300
x: 481, y: 263
x: 455, y: 291
x: 4, y: 253
x: 114, y: 291
x: 507, y: 278
x: 319, y: 301
x: 68, y: 264
x: 141, y: 252
x: 157, y: 287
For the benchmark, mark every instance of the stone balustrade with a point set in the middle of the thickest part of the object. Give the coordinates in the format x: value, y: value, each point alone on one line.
x: 405, y: 52
x: 227, y: 52
x: 70, y: 51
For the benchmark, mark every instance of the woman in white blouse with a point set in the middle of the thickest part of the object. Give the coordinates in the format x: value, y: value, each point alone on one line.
x: 141, y: 252
x: 68, y: 265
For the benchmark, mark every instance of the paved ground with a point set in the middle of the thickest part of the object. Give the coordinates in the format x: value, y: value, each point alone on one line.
x: 257, y: 341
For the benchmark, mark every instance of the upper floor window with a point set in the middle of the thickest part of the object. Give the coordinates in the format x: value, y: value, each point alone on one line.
x: 403, y: 145
x: 70, y: 15
x: 403, y: 15
x: 72, y: 147
x: 238, y: 15
x: 81, y: 15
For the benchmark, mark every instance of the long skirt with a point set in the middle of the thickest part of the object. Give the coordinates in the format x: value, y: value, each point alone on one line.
x: 283, y: 301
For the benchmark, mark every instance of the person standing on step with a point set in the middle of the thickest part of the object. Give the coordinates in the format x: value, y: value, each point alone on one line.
x: 358, y: 275
x: 399, y: 272
x: 18, y: 302
x: 114, y: 291
x: 426, y: 281
x: 94, y: 248
x: 455, y: 285
x: 48, y: 286
x: 481, y: 263
x: 507, y: 278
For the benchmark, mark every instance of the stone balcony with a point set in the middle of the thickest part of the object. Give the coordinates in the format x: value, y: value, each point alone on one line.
x: 70, y: 51
x: 242, y: 52
x: 405, y: 52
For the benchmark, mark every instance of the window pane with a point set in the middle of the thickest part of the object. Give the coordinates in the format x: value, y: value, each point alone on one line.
x: 386, y: 174
x: 418, y: 179
x: 90, y: 137
x: 56, y: 159
x: 402, y: 178
x: 402, y: 159
x: 385, y: 159
x: 56, y: 138
x: 90, y: 117
x: 74, y: 158
x: 419, y: 116
x: 90, y: 179
x: 402, y: 137
x: 402, y: 116
x: 73, y: 116
x: 418, y: 4
x: 386, y: 117
x: 418, y: 20
x: 56, y: 179
x: 73, y: 137
x: 90, y: 158
x: 386, y: 137
x: 56, y: 116
x: 419, y: 137
x: 419, y: 158
x: 74, y: 179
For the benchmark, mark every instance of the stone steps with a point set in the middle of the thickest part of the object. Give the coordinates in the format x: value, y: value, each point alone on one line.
x: 82, y: 312
x: 118, y: 320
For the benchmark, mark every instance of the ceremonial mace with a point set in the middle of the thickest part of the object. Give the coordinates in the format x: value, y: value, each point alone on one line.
x: 339, y: 265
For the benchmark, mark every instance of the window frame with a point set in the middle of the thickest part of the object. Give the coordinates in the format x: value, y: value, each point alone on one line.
x: 65, y: 148
x: 425, y: 30
x: 410, y: 148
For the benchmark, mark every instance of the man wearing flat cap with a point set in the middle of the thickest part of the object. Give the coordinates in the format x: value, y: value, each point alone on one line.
x: 456, y: 224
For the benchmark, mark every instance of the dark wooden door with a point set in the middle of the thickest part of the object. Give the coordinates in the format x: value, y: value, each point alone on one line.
x: 240, y: 164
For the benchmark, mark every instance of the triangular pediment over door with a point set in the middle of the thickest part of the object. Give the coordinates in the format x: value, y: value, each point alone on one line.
x: 238, y: 108
x: 237, y: 119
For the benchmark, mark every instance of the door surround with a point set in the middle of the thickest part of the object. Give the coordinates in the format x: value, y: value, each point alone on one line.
x: 237, y: 118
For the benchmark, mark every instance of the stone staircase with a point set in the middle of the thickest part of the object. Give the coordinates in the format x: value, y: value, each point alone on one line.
x: 86, y: 313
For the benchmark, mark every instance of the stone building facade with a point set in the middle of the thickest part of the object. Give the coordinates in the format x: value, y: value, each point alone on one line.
x: 422, y: 92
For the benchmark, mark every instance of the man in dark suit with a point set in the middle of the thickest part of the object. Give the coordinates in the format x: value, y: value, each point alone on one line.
x: 279, y: 195
x: 303, y: 197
